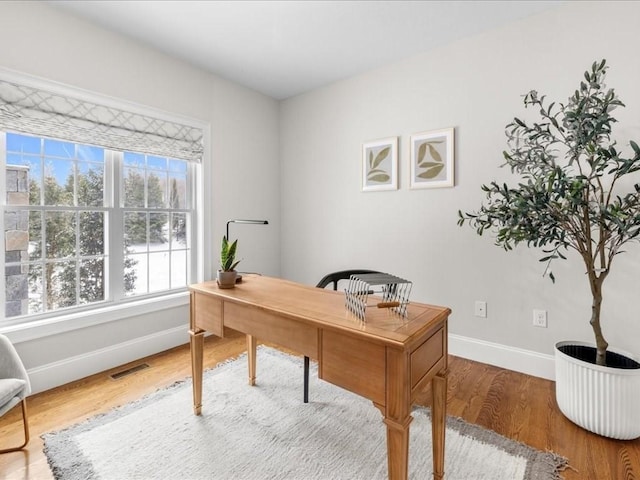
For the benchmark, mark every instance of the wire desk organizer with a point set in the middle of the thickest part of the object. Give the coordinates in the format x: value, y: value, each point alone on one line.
x: 395, y: 293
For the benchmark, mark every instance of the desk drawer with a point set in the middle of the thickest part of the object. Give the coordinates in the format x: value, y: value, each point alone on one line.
x: 298, y: 336
x: 354, y: 364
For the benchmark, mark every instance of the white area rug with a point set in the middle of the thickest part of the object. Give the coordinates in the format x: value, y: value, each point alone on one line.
x: 267, y: 432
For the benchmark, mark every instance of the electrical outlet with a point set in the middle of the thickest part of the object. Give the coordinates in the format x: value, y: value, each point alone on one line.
x: 480, y: 309
x: 540, y: 318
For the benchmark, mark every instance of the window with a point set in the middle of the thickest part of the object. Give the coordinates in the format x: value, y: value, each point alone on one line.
x: 99, y: 203
x: 155, y: 223
x: 87, y: 226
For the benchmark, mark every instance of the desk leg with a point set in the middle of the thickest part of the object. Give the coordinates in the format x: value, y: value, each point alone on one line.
x: 251, y: 354
x: 398, y: 448
x: 397, y: 416
x: 197, y: 346
x: 438, y: 422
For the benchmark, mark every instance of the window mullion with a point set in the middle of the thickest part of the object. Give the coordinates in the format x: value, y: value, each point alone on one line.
x: 115, y: 222
x: 3, y: 197
x: 195, y: 193
x: 77, y: 216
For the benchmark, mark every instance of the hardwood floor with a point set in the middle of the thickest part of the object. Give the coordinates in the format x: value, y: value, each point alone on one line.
x: 515, y: 405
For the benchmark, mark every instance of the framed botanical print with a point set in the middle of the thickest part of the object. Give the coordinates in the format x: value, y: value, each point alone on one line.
x: 432, y: 159
x: 380, y: 164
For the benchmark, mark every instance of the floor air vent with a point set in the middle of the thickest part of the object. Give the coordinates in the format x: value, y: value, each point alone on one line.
x: 129, y: 371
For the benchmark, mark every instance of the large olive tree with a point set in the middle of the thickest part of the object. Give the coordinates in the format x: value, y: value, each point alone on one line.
x: 570, y: 193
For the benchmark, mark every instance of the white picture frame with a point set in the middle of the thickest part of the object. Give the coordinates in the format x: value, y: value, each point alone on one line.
x: 432, y: 159
x: 380, y: 165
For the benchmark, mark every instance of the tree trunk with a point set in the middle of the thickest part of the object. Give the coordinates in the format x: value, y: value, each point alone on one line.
x: 601, y: 343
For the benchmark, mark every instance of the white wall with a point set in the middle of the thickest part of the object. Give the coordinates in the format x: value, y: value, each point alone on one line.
x: 242, y: 179
x: 474, y: 85
x: 297, y: 164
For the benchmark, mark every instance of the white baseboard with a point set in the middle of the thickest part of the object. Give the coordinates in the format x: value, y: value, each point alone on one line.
x: 64, y: 371
x: 511, y: 358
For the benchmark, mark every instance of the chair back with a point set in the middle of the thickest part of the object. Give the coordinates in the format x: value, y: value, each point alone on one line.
x: 335, y: 277
x: 14, y: 380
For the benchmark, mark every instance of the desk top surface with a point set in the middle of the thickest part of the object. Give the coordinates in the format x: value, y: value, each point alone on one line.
x: 326, y: 308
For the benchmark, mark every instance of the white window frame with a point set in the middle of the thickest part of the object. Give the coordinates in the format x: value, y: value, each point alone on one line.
x: 76, y: 318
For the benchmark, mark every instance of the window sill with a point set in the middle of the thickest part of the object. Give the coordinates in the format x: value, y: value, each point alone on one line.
x: 65, y: 323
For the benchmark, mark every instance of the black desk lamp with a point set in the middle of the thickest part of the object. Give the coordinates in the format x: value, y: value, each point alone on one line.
x: 251, y: 222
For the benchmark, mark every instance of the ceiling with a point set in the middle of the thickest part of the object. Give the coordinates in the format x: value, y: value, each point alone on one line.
x: 284, y: 48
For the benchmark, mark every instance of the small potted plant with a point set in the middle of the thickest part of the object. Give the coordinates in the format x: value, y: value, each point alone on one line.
x: 576, y: 191
x: 227, y: 274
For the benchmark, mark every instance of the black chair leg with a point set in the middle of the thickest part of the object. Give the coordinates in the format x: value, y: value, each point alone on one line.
x: 306, y: 379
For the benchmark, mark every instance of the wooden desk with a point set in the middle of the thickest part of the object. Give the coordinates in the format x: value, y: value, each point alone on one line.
x: 387, y: 360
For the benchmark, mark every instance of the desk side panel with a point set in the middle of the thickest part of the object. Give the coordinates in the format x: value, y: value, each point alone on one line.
x: 206, y: 313
x: 426, y: 356
x: 297, y: 336
x: 425, y: 364
x: 354, y: 364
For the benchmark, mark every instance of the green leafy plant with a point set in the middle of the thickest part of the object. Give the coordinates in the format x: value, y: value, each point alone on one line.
x: 572, y: 192
x: 228, y: 261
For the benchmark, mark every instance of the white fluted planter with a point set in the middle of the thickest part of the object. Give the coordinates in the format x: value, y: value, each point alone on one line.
x: 603, y: 400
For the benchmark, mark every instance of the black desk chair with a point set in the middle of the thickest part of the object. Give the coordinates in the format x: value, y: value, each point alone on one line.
x: 334, y: 278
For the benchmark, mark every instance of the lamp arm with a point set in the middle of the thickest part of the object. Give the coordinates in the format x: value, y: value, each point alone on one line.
x: 253, y: 222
